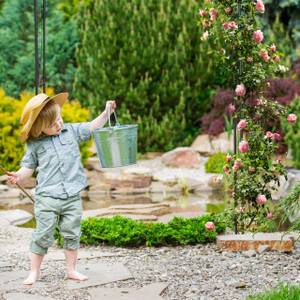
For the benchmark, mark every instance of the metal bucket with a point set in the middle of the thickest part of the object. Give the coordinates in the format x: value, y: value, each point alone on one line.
x: 116, y: 145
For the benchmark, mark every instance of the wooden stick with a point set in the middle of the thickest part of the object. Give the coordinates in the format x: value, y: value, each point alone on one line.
x: 18, y: 185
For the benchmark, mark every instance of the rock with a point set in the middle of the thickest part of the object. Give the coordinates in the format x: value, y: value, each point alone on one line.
x: 182, y: 157
x: 18, y: 296
x: 222, y: 143
x: 119, y: 180
x: 216, y: 182
x: 168, y: 217
x: 262, y: 248
x: 138, y: 171
x: 202, y: 144
x: 249, y: 253
x: 243, y: 242
x: 93, y: 164
x: 16, y: 216
x: 3, y: 188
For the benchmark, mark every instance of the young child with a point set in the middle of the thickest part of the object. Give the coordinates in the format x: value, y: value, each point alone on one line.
x: 53, y: 151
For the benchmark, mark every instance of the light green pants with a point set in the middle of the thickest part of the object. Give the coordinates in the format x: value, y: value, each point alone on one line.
x: 52, y: 211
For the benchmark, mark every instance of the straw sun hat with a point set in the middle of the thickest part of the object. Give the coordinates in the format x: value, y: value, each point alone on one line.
x: 34, y: 106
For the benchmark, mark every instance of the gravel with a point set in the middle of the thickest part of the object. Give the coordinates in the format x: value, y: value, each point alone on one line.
x: 198, y: 272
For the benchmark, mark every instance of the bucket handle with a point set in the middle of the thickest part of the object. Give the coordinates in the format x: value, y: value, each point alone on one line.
x: 116, y: 119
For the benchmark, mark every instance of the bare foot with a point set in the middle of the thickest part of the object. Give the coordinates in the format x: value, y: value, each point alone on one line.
x: 32, y: 278
x: 76, y: 276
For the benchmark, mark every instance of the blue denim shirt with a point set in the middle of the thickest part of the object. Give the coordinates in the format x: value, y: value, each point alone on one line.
x: 57, y: 160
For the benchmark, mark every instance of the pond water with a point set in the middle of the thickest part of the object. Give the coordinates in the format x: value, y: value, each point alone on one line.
x: 208, y: 202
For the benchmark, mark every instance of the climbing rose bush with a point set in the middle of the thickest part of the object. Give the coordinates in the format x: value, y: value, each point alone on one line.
x: 253, y: 172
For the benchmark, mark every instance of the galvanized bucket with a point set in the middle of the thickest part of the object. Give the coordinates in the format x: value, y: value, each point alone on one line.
x: 116, y: 145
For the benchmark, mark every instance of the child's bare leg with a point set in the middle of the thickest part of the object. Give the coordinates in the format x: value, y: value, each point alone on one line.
x: 71, y: 260
x: 36, y: 261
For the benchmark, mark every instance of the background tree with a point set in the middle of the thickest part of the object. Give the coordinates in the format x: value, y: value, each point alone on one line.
x: 17, y: 47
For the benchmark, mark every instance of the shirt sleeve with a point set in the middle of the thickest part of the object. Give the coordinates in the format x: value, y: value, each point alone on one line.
x: 82, y: 131
x: 29, y: 159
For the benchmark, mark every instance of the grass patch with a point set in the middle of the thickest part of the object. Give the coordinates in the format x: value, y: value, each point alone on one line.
x: 281, y: 292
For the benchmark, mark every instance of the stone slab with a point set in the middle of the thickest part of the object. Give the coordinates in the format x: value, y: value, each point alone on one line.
x: 149, y: 292
x: 249, y: 241
x: 22, y: 296
x: 16, y: 216
x: 58, y: 255
x: 99, y: 274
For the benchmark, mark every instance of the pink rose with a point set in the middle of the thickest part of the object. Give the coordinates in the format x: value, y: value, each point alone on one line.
x: 202, y: 13
x: 228, y: 157
x: 240, y: 90
x: 235, y: 168
x: 276, y: 58
x: 226, y: 169
x: 242, y: 124
x: 269, y: 135
x: 244, y: 146
x: 242, y: 209
x: 272, y: 48
x: 238, y: 162
x: 230, y: 25
x: 260, y: 6
x: 258, y: 101
x: 292, y: 118
x: 263, y: 53
x: 277, y: 137
x: 213, y: 14
x: 258, y: 36
x: 230, y: 108
x: 261, y: 199
x: 209, y: 226
x: 269, y: 215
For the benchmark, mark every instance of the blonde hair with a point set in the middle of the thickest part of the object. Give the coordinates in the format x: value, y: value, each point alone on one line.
x: 46, y: 118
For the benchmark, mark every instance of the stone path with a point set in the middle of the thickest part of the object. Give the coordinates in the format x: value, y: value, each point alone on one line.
x: 175, y: 273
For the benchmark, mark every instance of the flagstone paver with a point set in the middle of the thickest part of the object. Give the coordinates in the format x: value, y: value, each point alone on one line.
x: 149, y: 292
x: 99, y: 274
x: 22, y: 296
x: 56, y: 255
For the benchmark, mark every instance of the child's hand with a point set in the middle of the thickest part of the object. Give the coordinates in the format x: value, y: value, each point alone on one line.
x: 13, y: 178
x: 110, y: 106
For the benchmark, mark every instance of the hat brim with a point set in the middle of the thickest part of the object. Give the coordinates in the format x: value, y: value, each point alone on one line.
x: 60, y: 99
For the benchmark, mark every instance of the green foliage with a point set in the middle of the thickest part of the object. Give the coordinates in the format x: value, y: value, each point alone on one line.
x: 215, y: 163
x: 155, y: 66
x: 289, y: 207
x: 11, y: 148
x: 292, y: 132
x: 282, y: 292
x: 124, y: 232
x: 17, y: 47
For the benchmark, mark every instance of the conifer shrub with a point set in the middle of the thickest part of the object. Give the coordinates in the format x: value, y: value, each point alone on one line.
x: 155, y: 65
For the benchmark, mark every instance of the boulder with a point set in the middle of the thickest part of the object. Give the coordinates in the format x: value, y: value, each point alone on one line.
x: 121, y: 180
x: 182, y: 157
x: 222, y: 143
x: 202, y: 145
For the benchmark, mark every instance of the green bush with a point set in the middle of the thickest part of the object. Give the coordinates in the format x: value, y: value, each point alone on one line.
x: 215, y: 163
x: 11, y: 148
x: 282, y: 292
x: 124, y: 232
x: 155, y: 66
x: 292, y: 132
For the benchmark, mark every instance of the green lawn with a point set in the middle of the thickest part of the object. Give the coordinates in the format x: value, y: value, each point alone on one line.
x: 282, y: 292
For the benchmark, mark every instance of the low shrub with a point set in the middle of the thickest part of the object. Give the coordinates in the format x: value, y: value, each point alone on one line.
x: 124, y: 232
x: 11, y: 148
x: 215, y: 163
